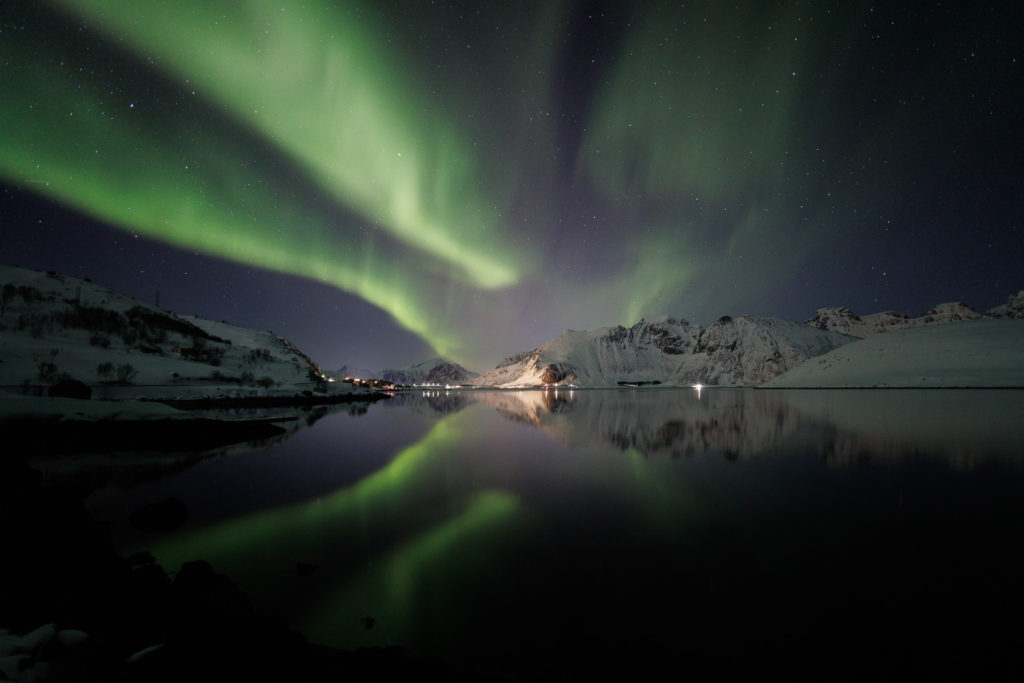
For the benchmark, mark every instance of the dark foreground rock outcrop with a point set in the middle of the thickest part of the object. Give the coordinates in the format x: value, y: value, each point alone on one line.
x: 72, y: 609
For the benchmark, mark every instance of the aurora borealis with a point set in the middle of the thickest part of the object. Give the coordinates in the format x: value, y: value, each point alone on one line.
x: 382, y: 181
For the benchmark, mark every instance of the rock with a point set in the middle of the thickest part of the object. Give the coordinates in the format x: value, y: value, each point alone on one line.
x: 12, y: 667
x: 72, y: 637
x: 555, y: 372
x: 8, y: 643
x: 1013, y: 308
x: 70, y: 388
x: 144, y: 652
x: 36, y: 640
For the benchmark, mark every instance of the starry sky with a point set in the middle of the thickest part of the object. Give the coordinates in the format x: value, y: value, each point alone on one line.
x: 381, y: 182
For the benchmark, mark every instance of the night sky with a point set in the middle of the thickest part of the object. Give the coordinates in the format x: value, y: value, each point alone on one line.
x: 381, y: 182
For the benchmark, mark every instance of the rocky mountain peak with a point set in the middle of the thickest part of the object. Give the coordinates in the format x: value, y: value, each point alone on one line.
x: 1013, y: 308
x: 432, y: 371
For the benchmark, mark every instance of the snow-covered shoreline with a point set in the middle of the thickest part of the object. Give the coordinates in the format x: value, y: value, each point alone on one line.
x: 65, y: 337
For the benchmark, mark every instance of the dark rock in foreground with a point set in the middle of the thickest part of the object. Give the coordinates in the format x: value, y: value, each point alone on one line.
x: 71, y: 388
x: 49, y: 436
x: 80, y: 612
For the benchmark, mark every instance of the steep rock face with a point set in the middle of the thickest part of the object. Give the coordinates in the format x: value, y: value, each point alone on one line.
x: 750, y: 350
x: 886, y: 321
x: 673, y: 336
x: 839, y: 319
x: 949, y: 312
x: 1013, y: 308
x: 620, y: 349
x: 721, y: 336
x: 433, y: 371
x: 553, y: 373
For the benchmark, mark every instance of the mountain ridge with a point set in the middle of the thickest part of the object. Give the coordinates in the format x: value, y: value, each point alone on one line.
x: 745, y: 350
x: 433, y: 371
x: 666, y: 350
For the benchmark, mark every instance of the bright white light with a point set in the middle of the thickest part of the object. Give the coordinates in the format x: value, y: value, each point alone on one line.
x: 698, y: 387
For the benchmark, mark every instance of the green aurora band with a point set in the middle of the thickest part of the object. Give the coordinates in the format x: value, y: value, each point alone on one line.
x: 708, y: 128
x: 683, y: 115
x: 333, y: 106
x: 314, y: 81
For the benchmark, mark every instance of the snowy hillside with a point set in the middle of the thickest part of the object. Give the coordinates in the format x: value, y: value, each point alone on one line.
x: 436, y: 371
x: 667, y: 350
x: 974, y: 353
x: 55, y: 329
x: 353, y: 372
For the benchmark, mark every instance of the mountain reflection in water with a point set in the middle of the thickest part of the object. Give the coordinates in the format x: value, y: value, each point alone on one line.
x: 842, y: 425
x: 569, y: 531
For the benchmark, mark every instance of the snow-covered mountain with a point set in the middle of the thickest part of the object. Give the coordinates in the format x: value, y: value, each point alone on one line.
x: 751, y: 350
x: 56, y: 328
x: 354, y: 373
x: 847, y: 322
x: 986, y: 352
x: 436, y: 371
x: 667, y: 350
x: 649, y: 351
x: 731, y: 351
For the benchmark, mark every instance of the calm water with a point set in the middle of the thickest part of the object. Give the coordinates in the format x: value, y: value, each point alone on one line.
x: 838, y: 530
